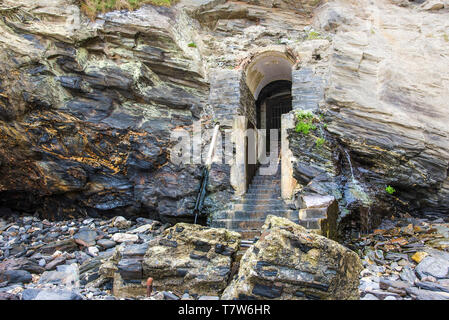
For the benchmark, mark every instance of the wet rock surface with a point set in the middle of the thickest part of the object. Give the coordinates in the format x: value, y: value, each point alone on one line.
x: 290, y: 262
x: 405, y: 259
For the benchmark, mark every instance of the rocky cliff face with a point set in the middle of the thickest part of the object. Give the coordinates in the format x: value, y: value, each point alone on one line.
x: 87, y: 108
x: 387, y: 95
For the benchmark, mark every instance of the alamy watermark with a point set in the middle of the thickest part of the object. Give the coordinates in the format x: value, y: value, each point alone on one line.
x: 232, y: 146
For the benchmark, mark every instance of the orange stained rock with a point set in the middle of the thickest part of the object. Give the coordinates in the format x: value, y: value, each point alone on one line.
x: 419, y: 256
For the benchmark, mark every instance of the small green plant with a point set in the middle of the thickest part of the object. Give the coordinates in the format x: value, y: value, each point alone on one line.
x: 319, y: 142
x: 446, y: 37
x: 305, y: 122
x: 192, y: 45
x: 313, y: 35
x: 390, y: 190
x: 304, y: 127
x: 304, y: 115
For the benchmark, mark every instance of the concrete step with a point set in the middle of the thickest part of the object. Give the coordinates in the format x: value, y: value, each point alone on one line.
x: 255, y: 201
x: 273, y: 188
x: 259, y: 184
x: 267, y: 184
x: 261, y: 196
x: 259, y: 179
x: 257, y: 215
x: 264, y: 191
x: 311, y: 223
x: 311, y: 213
x: 259, y: 207
x: 234, y: 224
x: 248, y: 234
x: 246, y: 243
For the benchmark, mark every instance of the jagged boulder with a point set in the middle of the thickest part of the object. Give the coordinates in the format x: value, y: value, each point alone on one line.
x: 192, y: 257
x: 185, y: 257
x: 289, y: 262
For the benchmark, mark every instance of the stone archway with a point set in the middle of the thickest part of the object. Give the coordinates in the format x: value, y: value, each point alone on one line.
x: 268, y: 76
x: 234, y: 95
x: 267, y: 67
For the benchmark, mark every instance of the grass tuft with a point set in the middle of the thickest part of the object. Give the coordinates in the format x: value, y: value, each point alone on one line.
x: 390, y: 190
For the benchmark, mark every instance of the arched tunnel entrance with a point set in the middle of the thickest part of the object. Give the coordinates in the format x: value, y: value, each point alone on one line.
x: 269, y: 78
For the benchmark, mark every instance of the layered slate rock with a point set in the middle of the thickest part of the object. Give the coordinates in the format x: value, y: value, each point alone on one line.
x: 86, y: 109
x: 192, y: 257
x: 82, y: 133
x: 289, y: 262
x: 395, y: 129
x: 185, y: 257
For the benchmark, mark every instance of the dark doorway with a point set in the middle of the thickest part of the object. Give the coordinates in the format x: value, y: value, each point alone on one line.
x: 274, y: 100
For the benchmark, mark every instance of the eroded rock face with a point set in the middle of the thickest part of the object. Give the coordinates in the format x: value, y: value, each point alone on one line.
x: 186, y: 257
x: 387, y: 98
x: 289, y: 262
x: 86, y: 110
x: 382, y: 107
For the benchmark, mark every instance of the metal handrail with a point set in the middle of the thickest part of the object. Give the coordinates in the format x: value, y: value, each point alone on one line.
x: 205, y: 176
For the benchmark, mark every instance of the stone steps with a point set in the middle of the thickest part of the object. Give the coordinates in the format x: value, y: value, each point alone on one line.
x: 248, y: 234
x: 313, y: 223
x: 259, y: 207
x: 265, y: 180
x: 312, y: 213
x: 263, y: 198
x: 256, y: 201
x: 248, y: 213
x: 240, y: 224
x: 263, y: 191
x: 253, y: 224
x: 289, y: 214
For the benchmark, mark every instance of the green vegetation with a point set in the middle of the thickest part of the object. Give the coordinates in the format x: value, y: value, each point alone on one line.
x: 305, y: 122
x: 313, y: 35
x: 304, y: 127
x: 304, y: 115
x: 319, y: 142
x: 192, y: 45
x: 446, y: 37
x: 390, y: 190
x: 93, y: 7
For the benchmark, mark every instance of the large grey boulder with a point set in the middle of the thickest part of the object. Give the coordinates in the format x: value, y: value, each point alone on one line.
x: 191, y: 257
x: 289, y: 262
x: 185, y: 257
